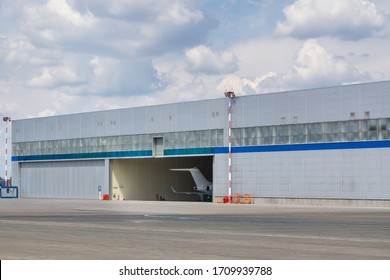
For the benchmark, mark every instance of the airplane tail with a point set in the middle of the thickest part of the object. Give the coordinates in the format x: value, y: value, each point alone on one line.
x: 197, y: 175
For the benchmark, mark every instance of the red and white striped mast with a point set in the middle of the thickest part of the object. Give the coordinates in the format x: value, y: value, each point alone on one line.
x: 6, y: 120
x: 230, y: 95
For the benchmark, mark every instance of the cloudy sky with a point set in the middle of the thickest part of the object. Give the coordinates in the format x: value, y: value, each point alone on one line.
x: 68, y: 56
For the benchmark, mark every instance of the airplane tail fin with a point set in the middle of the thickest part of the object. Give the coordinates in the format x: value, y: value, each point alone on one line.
x: 197, y: 175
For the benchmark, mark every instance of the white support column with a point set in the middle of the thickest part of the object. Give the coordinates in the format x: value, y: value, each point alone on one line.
x: 230, y: 149
x: 6, y: 156
x: 6, y: 120
x: 230, y: 95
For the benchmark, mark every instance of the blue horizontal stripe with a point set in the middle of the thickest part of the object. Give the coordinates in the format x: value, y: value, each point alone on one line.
x: 312, y: 147
x: 189, y: 151
x: 145, y: 153
x: 214, y: 150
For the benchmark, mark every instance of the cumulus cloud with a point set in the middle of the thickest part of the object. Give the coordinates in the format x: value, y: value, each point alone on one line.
x: 347, y: 19
x: 112, y: 76
x: 54, y: 77
x: 120, y: 27
x: 314, y: 66
x: 55, y: 22
x: 204, y: 60
x: 98, y: 47
x: 62, y: 9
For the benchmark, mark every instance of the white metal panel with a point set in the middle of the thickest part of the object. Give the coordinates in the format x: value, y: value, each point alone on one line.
x: 154, y: 120
x: 315, y: 173
x: 238, y: 111
x: 351, y: 172
x: 350, y: 102
x: 298, y: 107
x: 168, y: 118
x: 220, y: 181
x: 250, y: 174
x: 113, y: 122
x: 15, y: 173
x: 100, y: 123
x: 281, y: 174
x: 126, y: 121
x: 217, y: 114
x: 370, y: 173
x: 265, y: 104
x: 184, y: 113
x: 238, y: 173
x: 74, y: 126
x: 384, y: 173
x: 87, y: 125
x: 39, y: 129
x: 385, y: 99
x: 51, y: 128
x: 281, y: 108
x: 18, y: 131
x: 266, y: 175
x: 139, y: 120
x: 332, y: 104
x: 199, y: 115
x: 29, y: 129
x: 332, y: 174
x: 62, y: 127
x: 369, y: 101
x: 315, y: 105
x: 251, y: 111
x: 297, y: 175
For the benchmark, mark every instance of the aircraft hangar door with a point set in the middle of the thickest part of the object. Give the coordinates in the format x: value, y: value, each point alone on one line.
x: 153, y: 179
x: 62, y: 179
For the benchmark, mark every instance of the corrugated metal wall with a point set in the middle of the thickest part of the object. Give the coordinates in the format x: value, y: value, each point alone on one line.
x: 63, y: 179
x: 341, y: 173
x: 304, y: 106
x: 315, y: 105
x: 346, y: 174
x: 190, y: 116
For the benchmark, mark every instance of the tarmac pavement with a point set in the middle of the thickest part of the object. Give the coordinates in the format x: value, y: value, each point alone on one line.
x: 147, y: 230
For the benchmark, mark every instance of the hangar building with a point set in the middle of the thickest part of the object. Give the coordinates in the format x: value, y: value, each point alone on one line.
x: 318, y: 144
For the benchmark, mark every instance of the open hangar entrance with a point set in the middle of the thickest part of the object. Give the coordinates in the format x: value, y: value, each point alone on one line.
x: 152, y: 178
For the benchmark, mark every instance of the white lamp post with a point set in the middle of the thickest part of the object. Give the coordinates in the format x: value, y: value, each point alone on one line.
x: 230, y: 95
x: 6, y: 120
